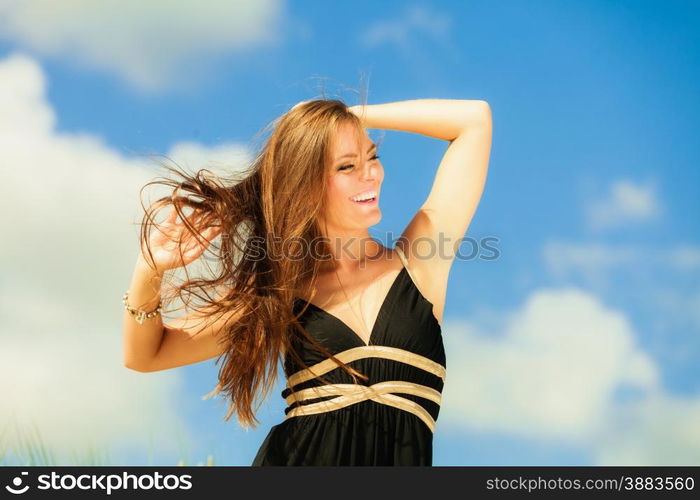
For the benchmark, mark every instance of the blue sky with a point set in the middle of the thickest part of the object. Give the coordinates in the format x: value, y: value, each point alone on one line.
x: 579, y: 344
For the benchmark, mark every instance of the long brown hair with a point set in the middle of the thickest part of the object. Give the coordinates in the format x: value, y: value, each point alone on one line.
x: 276, y: 206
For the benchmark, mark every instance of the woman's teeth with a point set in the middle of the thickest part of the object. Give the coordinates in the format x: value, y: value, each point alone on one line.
x: 369, y: 200
x: 364, y: 198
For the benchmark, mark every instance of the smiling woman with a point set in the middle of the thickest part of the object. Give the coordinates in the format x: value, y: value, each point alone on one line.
x: 357, y: 324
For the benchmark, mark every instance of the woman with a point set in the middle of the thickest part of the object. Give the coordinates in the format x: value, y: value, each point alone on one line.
x: 356, y: 324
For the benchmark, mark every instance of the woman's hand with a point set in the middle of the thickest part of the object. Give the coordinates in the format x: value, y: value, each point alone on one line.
x: 171, y: 237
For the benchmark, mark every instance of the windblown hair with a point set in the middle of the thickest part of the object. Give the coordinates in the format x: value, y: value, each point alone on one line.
x: 272, y: 209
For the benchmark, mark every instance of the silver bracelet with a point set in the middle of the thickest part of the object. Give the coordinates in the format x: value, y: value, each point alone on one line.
x: 139, y: 315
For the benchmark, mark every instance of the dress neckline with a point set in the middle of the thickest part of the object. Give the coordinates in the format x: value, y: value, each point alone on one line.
x: 381, y: 314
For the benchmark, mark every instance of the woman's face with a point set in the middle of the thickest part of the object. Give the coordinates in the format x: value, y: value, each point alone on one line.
x: 354, y: 171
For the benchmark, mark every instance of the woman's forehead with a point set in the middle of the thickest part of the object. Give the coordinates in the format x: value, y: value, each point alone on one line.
x: 349, y: 138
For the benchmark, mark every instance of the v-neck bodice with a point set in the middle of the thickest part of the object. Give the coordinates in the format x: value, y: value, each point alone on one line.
x: 388, y: 419
x: 381, y: 314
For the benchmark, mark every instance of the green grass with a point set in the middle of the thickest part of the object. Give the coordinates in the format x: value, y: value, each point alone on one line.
x: 29, y: 449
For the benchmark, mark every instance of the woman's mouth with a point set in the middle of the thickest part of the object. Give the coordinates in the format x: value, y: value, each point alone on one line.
x: 368, y: 197
x: 369, y: 201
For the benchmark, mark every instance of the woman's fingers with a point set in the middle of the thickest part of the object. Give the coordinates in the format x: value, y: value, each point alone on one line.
x: 208, y: 234
x: 199, y: 222
x: 214, y: 229
x: 172, y: 217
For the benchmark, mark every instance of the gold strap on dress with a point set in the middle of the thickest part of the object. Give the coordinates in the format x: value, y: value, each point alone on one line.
x: 380, y: 392
x: 347, y: 394
x: 368, y: 351
x: 402, y: 256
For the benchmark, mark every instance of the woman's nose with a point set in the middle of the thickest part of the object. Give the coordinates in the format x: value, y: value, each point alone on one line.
x: 369, y: 171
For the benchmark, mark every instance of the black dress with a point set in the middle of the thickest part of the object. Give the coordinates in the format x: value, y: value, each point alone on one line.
x: 391, y: 423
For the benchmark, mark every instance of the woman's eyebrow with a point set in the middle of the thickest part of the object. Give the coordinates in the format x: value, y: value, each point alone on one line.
x: 351, y: 155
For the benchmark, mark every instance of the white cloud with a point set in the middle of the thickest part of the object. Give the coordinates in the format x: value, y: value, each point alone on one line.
x: 415, y: 20
x: 663, y: 280
x: 555, y: 373
x: 63, y: 375
x: 551, y: 373
x: 626, y: 203
x: 682, y: 308
x: 594, y: 262
x: 70, y: 207
x: 685, y: 258
x: 152, y: 44
x: 657, y: 430
x: 220, y: 159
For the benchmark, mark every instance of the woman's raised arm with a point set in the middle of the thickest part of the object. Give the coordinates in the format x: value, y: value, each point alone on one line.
x: 443, y: 218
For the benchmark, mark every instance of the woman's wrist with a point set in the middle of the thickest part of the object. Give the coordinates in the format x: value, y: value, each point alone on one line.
x: 359, y: 111
x: 144, y: 268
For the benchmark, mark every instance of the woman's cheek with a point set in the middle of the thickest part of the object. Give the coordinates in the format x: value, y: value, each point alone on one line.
x: 338, y: 190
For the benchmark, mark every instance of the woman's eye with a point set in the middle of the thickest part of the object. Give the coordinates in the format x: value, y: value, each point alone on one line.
x: 345, y: 167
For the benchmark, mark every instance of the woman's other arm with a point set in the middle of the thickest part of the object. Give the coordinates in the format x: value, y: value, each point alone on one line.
x: 141, y: 341
x: 154, y: 346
